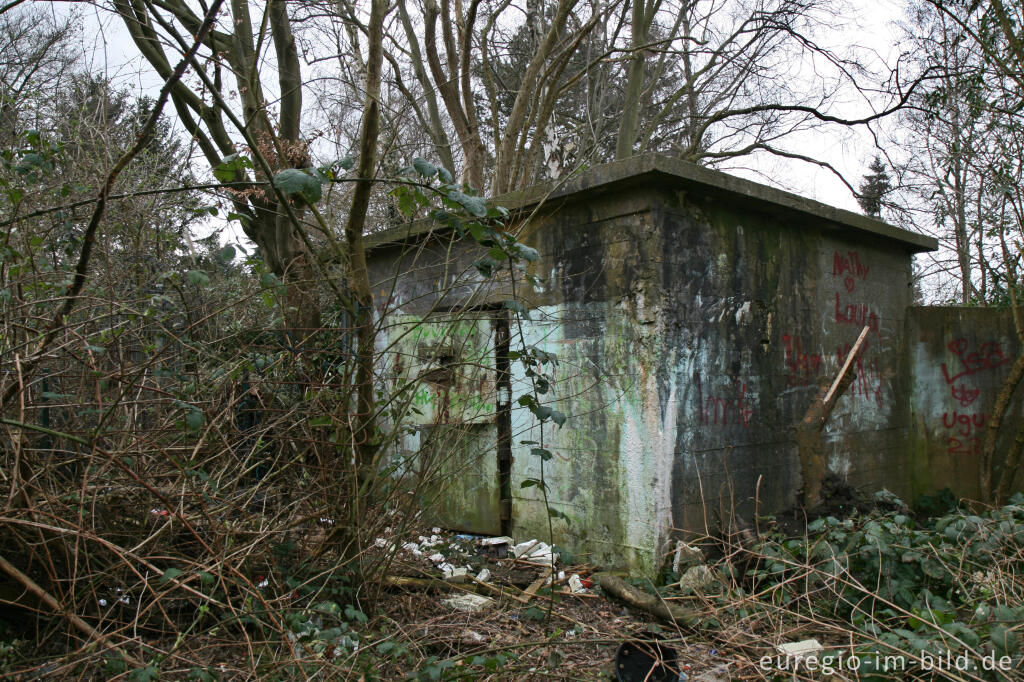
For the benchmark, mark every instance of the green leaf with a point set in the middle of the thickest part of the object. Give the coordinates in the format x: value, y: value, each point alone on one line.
x: 406, y: 200
x: 1005, y: 614
x: 170, y: 574
x: 194, y: 420
x: 557, y: 417
x: 328, y: 169
x: 1004, y: 640
x: 207, y: 578
x: 444, y: 175
x: 231, y: 168
x: 424, y: 168
x: 486, y: 265
x: 352, y: 613
x: 115, y: 665
x: 243, y: 219
x: 198, y: 277
x: 292, y: 181
x: 201, y: 675
x: 543, y: 453
x: 147, y: 674
x: 226, y: 254
x: 475, y: 206
x: 527, y: 253
x: 268, y: 279
x: 964, y: 633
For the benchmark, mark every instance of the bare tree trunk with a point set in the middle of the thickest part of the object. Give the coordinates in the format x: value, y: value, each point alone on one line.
x: 629, y: 126
x: 365, y: 423
x: 1010, y: 467
x: 448, y: 86
x: 999, y: 409
x: 267, y: 222
x: 436, y: 128
x: 1003, y: 398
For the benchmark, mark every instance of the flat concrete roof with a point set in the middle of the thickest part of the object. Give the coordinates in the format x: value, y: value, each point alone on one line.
x: 665, y: 171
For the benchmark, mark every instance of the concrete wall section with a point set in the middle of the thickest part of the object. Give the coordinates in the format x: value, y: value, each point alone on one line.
x: 692, y: 333
x: 601, y: 266
x: 958, y: 359
x: 760, y: 310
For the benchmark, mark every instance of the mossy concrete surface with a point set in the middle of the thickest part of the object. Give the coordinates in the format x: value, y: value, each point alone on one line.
x: 694, y: 316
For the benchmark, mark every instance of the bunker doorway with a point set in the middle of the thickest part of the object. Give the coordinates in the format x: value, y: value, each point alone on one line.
x: 461, y: 416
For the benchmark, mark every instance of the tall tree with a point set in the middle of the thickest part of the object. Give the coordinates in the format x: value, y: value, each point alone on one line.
x: 874, y: 187
x: 947, y: 129
x: 266, y: 126
x: 995, y: 32
x: 36, y: 57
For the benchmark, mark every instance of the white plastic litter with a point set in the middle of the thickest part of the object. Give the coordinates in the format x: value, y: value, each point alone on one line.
x: 473, y: 636
x: 535, y: 550
x: 436, y: 558
x: 685, y: 557
x: 413, y: 548
x: 432, y: 541
x: 501, y: 540
x: 575, y: 584
x: 484, y: 575
x: 807, y: 648
x: 468, y: 602
x: 455, y: 574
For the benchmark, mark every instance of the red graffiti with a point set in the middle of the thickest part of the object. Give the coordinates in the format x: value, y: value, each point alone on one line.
x: 965, y: 396
x: 955, y: 446
x: 803, y: 367
x: 726, y: 410
x: 965, y: 424
x: 867, y: 382
x: 857, y: 314
x: 966, y: 428
x: 849, y: 267
x: 990, y: 355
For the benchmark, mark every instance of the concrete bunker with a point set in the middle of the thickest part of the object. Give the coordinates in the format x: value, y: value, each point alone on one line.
x: 693, y: 315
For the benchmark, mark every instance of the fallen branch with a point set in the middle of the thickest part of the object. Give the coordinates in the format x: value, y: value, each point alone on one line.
x: 620, y: 589
x: 431, y: 583
x: 45, y: 597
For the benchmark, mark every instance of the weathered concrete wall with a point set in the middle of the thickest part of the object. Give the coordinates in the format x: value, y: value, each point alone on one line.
x: 692, y: 330
x: 760, y: 311
x: 693, y: 335
x: 958, y: 359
